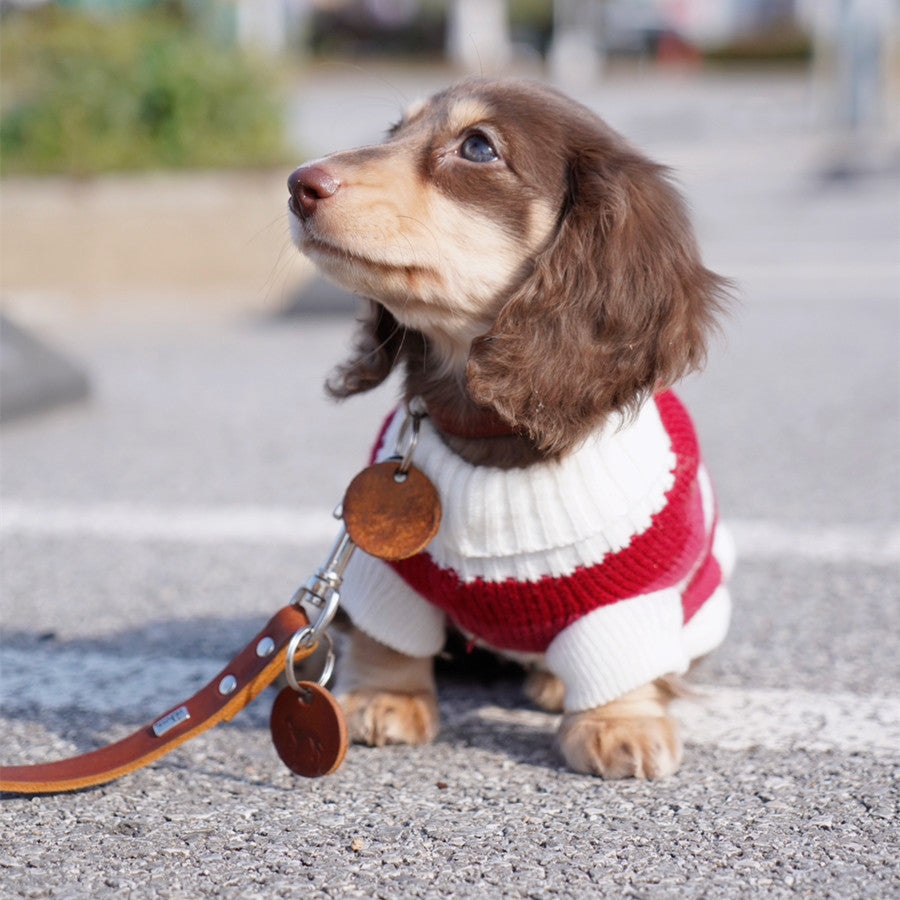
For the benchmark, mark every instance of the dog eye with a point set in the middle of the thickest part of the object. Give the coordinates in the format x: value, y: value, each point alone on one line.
x: 477, y: 148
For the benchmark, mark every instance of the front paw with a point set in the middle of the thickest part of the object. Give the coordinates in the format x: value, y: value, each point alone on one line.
x: 378, y: 718
x: 620, y: 747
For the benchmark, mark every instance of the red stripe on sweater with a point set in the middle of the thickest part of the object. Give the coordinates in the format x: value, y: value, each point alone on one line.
x: 526, y: 616
x: 701, y: 588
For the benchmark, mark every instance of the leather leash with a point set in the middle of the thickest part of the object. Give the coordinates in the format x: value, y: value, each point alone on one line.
x: 391, y: 510
x: 249, y: 673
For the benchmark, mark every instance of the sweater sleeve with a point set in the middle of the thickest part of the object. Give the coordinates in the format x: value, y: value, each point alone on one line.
x: 618, y: 648
x: 386, y: 608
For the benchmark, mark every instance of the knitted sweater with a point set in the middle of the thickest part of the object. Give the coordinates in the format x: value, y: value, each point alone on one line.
x: 609, y: 562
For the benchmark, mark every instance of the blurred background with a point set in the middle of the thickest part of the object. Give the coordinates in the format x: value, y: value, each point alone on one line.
x: 135, y: 132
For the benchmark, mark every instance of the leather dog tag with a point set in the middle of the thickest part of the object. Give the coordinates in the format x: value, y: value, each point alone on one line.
x: 390, y: 516
x: 308, y: 730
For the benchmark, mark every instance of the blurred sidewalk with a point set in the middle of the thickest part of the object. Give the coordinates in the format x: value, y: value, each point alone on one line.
x: 750, y: 150
x: 223, y: 235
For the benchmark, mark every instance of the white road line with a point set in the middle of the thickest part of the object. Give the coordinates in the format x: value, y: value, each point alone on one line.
x: 766, y: 539
x: 726, y: 717
x: 744, y: 718
x: 756, y: 538
x: 180, y: 524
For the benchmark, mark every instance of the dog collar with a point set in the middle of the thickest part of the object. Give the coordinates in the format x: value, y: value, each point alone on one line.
x: 475, y: 423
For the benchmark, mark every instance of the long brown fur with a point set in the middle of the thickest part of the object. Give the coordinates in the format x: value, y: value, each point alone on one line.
x: 619, y: 304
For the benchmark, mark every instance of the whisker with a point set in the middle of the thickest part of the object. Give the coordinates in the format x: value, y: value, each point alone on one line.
x: 427, y: 229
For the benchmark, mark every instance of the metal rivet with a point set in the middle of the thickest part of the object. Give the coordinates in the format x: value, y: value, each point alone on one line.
x: 265, y: 646
x: 227, y: 685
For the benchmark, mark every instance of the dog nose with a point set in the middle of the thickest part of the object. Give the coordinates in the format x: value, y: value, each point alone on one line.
x: 308, y: 185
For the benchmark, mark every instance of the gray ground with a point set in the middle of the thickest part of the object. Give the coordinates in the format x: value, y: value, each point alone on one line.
x: 789, y: 784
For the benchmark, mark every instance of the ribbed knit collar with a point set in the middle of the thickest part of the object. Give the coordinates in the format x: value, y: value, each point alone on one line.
x: 499, y: 523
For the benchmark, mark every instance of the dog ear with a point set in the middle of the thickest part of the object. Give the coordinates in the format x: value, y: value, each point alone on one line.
x: 617, y: 307
x: 379, y: 339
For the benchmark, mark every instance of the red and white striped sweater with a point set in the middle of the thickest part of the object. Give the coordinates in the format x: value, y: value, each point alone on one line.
x: 609, y: 562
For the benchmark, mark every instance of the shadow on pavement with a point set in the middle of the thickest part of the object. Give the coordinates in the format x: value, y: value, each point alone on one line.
x: 34, y: 376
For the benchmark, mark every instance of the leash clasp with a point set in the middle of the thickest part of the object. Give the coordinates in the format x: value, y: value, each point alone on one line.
x: 320, y: 595
x: 319, y: 598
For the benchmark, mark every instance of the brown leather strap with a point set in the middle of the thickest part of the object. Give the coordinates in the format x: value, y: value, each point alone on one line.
x: 475, y: 423
x: 249, y: 673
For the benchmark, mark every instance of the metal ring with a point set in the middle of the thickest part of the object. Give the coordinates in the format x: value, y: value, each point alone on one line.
x: 328, y: 668
x: 294, y: 645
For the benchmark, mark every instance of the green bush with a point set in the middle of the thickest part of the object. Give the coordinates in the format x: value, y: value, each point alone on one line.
x: 83, y: 95
x: 781, y: 43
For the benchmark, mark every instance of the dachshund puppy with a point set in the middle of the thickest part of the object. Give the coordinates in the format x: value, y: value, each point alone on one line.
x: 537, y: 281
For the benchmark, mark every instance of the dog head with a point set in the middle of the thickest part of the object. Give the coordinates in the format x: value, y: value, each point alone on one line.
x: 525, y: 244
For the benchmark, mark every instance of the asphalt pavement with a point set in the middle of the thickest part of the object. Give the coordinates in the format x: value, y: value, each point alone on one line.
x: 150, y: 529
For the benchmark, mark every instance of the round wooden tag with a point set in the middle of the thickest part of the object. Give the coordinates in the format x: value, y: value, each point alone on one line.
x: 309, y: 730
x: 390, y: 518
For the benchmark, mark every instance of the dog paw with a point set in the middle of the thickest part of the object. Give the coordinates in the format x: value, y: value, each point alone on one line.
x: 378, y: 718
x: 545, y: 690
x: 620, y: 747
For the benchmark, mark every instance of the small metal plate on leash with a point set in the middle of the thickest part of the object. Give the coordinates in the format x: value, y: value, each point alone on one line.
x: 308, y: 730
x: 390, y: 512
